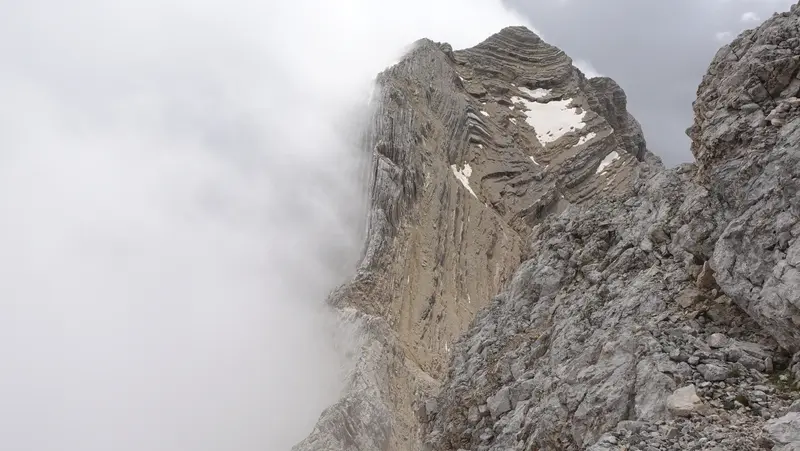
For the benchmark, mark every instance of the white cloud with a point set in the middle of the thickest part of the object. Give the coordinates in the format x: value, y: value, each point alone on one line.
x: 178, y: 194
x: 723, y: 36
x: 750, y: 17
x: 587, y: 68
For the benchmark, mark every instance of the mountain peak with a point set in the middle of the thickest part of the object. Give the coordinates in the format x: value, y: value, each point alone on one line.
x: 535, y: 278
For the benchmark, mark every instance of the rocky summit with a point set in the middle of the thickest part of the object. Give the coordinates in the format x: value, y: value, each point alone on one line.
x: 535, y: 279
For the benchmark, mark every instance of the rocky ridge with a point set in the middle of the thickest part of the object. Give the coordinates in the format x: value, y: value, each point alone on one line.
x: 535, y: 279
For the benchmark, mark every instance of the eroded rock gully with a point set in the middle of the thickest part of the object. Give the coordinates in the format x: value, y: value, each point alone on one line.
x: 534, y: 279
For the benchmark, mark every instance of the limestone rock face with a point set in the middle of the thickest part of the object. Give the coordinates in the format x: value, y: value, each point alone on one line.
x: 745, y: 138
x: 594, y: 317
x: 556, y: 137
x: 470, y: 151
x: 533, y: 278
x: 785, y: 430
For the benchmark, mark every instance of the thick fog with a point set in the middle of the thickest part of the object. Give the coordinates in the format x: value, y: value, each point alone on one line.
x: 179, y: 191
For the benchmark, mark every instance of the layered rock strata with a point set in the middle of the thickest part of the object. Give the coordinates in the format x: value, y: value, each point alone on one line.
x: 471, y: 150
x: 535, y: 279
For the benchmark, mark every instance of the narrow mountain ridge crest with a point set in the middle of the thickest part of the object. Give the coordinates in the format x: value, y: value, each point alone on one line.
x: 534, y: 278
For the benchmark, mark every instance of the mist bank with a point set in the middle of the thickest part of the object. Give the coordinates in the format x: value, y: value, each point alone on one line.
x: 180, y: 188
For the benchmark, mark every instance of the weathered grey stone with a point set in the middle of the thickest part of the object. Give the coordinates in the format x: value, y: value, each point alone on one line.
x: 500, y: 403
x: 678, y: 355
x: 684, y: 401
x: 713, y: 372
x: 705, y: 280
x: 518, y: 369
x: 606, y: 443
x: 688, y: 297
x: 755, y: 170
x: 784, y: 430
x: 431, y: 407
x: 718, y: 340
x: 630, y: 426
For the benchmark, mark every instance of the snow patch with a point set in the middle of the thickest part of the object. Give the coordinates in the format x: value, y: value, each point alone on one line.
x: 553, y: 119
x: 513, y: 121
x: 586, y: 138
x: 537, y: 163
x: 537, y: 93
x: 610, y: 158
x: 463, y: 176
x: 484, y: 113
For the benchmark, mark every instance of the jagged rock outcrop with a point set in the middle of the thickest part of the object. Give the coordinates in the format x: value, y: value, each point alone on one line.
x: 535, y: 279
x: 625, y: 301
x: 602, y: 325
x: 471, y: 149
x: 745, y: 138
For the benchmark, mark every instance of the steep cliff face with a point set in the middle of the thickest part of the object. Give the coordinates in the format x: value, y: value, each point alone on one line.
x: 471, y: 150
x: 622, y: 318
x: 745, y: 139
x: 535, y: 279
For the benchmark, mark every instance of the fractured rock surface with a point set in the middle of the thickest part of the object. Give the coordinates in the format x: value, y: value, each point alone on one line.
x: 745, y: 138
x: 471, y: 150
x: 533, y: 277
x: 594, y: 318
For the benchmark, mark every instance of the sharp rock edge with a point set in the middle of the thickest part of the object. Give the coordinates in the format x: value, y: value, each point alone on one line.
x: 568, y: 292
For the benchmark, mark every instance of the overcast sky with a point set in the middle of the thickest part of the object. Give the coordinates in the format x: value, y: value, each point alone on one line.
x: 656, y: 50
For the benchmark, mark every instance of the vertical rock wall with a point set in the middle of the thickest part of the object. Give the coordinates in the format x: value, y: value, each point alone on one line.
x: 471, y: 150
